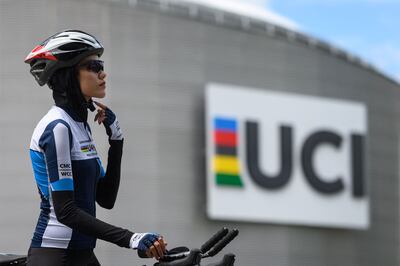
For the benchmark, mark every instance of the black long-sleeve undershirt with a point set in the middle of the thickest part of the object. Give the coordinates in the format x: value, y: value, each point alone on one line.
x: 77, y: 219
x: 107, y: 187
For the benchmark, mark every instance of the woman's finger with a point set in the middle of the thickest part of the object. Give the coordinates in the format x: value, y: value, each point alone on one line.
x: 100, y: 116
x: 96, y: 116
x: 100, y: 112
x: 148, y: 254
x: 162, y: 244
x: 153, y: 252
x: 102, y: 106
x: 160, y: 252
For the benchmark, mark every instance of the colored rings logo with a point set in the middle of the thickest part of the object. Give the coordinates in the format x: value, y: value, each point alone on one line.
x: 226, y: 163
x: 89, y: 150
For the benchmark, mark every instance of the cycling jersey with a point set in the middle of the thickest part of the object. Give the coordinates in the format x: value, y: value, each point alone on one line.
x: 70, y: 180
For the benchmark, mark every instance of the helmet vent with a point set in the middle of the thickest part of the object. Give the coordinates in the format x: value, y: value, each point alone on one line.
x: 76, y: 39
x: 60, y: 36
x: 72, y: 46
x: 88, y: 40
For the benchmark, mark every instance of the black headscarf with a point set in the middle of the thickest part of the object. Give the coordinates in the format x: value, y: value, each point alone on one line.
x: 67, y: 93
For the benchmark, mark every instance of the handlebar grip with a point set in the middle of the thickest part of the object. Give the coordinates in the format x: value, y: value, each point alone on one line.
x: 214, y: 240
x: 225, y: 241
x: 193, y: 258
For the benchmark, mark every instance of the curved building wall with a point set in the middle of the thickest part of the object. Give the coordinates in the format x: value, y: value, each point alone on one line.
x: 158, y: 65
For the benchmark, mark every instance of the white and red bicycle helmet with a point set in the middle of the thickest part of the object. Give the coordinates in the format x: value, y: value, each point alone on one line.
x: 61, y: 50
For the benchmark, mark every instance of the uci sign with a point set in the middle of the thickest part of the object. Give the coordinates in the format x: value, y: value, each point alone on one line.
x: 285, y: 158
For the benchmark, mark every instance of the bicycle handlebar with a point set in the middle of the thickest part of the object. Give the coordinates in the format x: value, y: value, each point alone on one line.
x: 214, y: 240
x: 220, y: 245
x: 193, y: 258
x: 210, y: 248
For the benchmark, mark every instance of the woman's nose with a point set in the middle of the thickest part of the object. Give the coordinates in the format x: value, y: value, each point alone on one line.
x: 102, y: 74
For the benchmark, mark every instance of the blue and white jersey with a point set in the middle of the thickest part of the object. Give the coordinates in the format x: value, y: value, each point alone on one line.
x: 64, y: 158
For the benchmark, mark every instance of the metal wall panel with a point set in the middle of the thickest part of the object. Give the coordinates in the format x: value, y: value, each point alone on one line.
x: 158, y: 65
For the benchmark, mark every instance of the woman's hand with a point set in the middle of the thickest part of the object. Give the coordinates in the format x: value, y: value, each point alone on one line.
x: 107, y: 117
x: 151, y: 244
x: 101, y: 113
x: 157, y: 250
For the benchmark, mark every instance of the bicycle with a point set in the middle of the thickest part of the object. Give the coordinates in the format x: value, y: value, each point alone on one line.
x: 179, y: 256
x: 182, y: 256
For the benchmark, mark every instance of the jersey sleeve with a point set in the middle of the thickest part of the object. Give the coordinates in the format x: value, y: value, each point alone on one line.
x: 56, y: 142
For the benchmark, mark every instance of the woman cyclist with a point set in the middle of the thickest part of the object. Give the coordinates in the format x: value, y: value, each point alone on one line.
x: 67, y: 169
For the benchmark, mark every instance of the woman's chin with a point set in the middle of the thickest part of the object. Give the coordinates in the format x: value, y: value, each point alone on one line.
x: 100, y: 96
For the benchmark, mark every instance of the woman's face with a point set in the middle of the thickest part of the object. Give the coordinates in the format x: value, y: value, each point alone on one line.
x: 92, y: 84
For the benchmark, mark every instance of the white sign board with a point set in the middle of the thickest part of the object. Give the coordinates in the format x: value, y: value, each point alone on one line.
x: 285, y: 158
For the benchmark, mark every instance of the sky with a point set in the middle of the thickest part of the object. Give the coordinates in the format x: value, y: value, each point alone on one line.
x: 369, y: 29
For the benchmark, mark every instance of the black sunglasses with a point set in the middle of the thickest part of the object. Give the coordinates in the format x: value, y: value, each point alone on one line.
x: 93, y: 65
